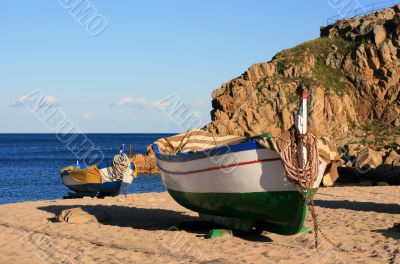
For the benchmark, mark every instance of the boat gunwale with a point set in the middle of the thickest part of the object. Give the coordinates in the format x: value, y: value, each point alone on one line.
x: 248, y: 144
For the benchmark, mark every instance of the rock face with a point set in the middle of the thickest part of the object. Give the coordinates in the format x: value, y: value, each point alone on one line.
x: 352, y: 72
x: 146, y: 163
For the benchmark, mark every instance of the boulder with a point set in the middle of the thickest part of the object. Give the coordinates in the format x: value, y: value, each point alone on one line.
x: 368, y: 159
x: 379, y: 34
x: 392, y: 159
x: 83, y: 216
x: 145, y: 163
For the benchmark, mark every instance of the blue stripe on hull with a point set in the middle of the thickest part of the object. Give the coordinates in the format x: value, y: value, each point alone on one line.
x: 250, y: 144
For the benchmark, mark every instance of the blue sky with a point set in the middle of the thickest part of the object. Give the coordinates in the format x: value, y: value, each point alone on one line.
x: 150, y: 50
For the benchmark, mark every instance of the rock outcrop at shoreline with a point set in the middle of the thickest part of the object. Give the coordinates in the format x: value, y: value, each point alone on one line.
x: 353, y: 75
x: 146, y: 163
x: 352, y: 72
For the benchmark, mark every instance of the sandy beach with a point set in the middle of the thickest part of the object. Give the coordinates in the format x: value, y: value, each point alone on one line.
x: 147, y: 228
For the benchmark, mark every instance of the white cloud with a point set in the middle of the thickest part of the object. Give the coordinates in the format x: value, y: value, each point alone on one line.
x: 26, y: 100
x: 142, y: 103
x: 124, y: 101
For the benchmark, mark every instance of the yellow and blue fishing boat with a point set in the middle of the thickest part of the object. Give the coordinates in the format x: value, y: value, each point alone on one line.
x: 107, y: 178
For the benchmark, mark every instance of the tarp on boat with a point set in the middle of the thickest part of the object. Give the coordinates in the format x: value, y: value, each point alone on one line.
x: 198, y: 140
x: 87, y: 175
x: 194, y: 140
x: 99, y: 173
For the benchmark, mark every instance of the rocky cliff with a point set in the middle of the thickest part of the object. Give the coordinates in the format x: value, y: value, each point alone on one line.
x: 352, y: 72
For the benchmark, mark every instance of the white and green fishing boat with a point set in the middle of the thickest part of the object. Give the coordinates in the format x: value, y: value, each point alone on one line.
x: 240, y: 182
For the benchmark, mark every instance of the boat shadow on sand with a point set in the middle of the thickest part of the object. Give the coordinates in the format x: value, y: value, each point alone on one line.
x: 149, y: 219
x: 385, y: 208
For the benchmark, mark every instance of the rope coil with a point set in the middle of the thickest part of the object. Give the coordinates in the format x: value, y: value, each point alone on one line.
x: 121, y: 165
x: 303, y: 175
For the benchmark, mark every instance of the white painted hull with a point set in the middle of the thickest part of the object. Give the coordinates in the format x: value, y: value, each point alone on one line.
x: 261, y: 170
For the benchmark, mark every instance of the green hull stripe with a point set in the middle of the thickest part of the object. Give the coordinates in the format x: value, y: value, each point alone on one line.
x: 277, y: 212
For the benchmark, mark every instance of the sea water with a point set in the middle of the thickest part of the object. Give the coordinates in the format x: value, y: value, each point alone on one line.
x: 30, y: 164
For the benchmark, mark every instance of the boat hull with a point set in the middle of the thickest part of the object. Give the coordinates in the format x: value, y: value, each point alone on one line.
x: 106, y: 188
x: 278, y: 212
x: 96, y: 179
x: 243, y: 181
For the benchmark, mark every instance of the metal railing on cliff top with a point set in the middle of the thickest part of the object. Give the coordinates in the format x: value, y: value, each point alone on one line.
x: 361, y: 11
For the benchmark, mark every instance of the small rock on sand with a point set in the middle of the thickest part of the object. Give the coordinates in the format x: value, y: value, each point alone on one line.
x: 82, y: 216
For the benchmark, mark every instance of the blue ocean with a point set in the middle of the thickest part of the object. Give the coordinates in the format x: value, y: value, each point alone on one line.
x: 30, y: 163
